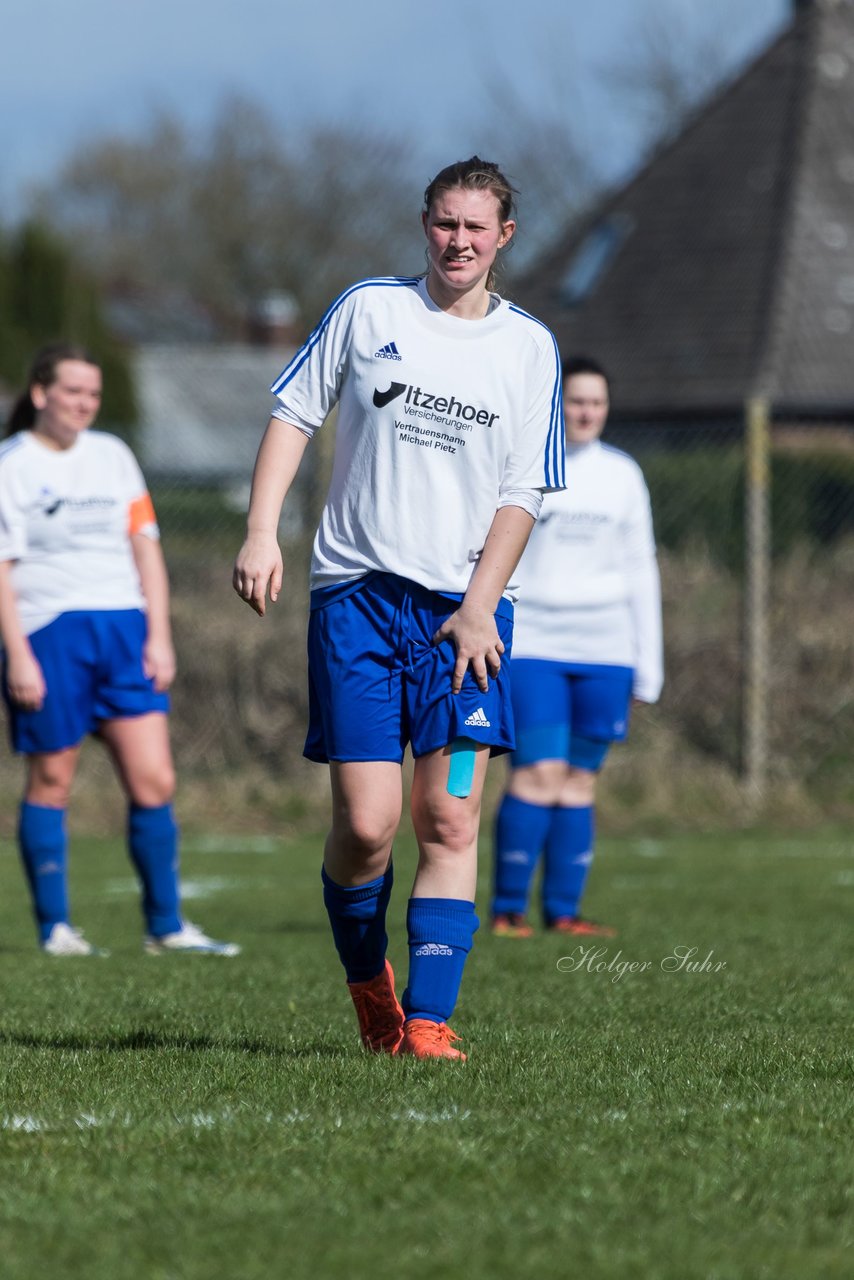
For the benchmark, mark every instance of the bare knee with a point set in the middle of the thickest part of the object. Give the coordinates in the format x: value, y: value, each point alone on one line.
x: 579, y: 788
x: 540, y: 783
x: 49, y: 782
x: 360, y: 840
x: 153, y: 788
x: 446, y: 822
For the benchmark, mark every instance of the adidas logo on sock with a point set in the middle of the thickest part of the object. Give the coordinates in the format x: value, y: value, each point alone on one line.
x: 434, y: 949
x: 388, y: 352
x: 478, y: 719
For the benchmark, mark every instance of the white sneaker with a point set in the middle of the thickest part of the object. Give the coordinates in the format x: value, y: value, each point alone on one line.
x: 189, y: 939
x: 63, y: 940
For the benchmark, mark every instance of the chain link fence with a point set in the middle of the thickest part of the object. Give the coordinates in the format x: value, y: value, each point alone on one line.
x: 782, y: 656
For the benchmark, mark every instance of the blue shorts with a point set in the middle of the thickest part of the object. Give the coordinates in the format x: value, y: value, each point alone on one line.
x: 569, y: 711
x: 377, y: 681
x: 92, y: 665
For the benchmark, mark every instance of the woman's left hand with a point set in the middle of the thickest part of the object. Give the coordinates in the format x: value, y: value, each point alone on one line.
x: 158, y: 663
x: 477, y: 642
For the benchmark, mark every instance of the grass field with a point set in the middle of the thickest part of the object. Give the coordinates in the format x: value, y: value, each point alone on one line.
x: 192, y: 1118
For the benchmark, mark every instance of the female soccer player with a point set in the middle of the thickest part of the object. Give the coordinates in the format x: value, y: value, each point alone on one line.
x: 587, y: 640
x: 448, y: 434
x: 84, y: 622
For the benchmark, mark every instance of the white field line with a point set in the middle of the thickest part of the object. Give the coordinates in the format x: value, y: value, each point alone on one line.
x: 194, y: 888
x: 232, y: 844
x: 85, y: 1120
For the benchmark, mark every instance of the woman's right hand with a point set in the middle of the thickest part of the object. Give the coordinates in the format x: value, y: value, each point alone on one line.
x: 258, y: 565
x: 25, y: 681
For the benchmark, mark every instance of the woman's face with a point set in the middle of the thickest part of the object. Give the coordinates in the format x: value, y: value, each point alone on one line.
x: 70, y: 404
x: 585, y: 407
x: 464, y: 233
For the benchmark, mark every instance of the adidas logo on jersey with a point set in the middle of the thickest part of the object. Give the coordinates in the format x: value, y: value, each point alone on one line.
x: 388, y: 352
x: 478, y: 720
x: 434, y: 949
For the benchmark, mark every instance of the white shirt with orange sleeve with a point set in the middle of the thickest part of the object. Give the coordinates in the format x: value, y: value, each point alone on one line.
x: 66, y: 519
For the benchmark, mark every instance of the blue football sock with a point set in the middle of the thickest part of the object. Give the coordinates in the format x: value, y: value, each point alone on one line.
x: 569, y: 853
x: 440, y: 937
x: 153, y: 847
x: 357, y: 917
x: 44, y: 852
x: 520, y: 832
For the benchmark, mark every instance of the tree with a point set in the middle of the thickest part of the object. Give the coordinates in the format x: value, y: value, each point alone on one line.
x: 236, y: 213
x: 44, y: 297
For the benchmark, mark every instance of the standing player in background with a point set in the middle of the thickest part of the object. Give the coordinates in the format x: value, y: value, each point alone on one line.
x: 449, y: 431
x: 87, y: 645
x: 587, y: 641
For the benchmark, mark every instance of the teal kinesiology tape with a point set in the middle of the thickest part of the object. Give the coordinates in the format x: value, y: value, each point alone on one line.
x: 461, y: 768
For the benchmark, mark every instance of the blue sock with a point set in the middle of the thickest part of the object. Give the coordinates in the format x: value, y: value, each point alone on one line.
x: 569, y: 853
x: 440, y: 937
x: 43, y: 845
x: 357, y: 917
x: 520, y: 832
x: 153, y: 846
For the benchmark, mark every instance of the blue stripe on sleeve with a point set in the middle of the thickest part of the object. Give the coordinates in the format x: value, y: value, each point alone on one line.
x: 555, y: 450
x: 290, y: 371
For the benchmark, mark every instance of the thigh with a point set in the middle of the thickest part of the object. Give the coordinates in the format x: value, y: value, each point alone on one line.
x: 542, y: 709
x: 142, y: 753
x: 355, y: 698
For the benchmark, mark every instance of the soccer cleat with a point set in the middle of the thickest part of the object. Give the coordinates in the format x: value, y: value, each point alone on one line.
x: 63, y: 940
x: 511, y: 924
x: 425, y: 1039
x: 581, y: 928
x: 189, y: 940
x: 379, y: 1012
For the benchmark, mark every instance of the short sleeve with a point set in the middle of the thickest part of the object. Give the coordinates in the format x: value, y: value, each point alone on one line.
x: 537, y: 460
x: 141, y: 517
x: 13, y: 532
x: 308, y: 388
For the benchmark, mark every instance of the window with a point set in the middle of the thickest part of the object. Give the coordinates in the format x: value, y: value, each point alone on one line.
x: 596, y: 252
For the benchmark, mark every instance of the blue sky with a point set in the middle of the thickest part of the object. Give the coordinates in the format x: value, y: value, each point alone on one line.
x: 80, y: 70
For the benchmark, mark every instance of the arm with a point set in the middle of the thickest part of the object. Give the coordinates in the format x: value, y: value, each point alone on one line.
x: 472, y: 627
x: 158, y: 658
x: 24, y: 676
x: 642, y: 574
x: 259, y: 562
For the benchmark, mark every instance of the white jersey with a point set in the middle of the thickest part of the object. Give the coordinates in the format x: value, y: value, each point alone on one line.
x: 440, y: 422
x: 66, y: 517
x: 589, y: 584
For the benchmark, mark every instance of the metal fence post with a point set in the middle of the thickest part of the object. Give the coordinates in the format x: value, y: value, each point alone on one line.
x: 757, y: 552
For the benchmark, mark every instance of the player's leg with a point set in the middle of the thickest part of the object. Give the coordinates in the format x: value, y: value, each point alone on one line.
x: 355, y: 726
x: 538, y: 770
x: 600, y: 709
x: 43, y: 844
x: 50, y: 738
x: 142, y: 756
x: 441, y: 920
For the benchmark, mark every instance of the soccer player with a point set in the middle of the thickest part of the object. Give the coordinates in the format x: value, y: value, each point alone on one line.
x: 449, y: 432
x: 587, y: 641
x: 87, y: 646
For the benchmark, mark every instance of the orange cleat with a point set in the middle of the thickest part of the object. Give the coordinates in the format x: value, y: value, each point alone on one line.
x: 581, y: 928
x: 511, y: 924
x: 379, y: 1012
x: 425, y: 1039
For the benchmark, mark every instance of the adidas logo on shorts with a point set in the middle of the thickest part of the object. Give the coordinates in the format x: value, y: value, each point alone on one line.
x: 478, y: 720
x: 434, y: 949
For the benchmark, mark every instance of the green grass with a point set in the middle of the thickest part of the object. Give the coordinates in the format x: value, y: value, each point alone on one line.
x: 187, y: 1118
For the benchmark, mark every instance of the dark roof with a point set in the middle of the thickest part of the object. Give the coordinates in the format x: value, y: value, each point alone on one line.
x: 725, y: 268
